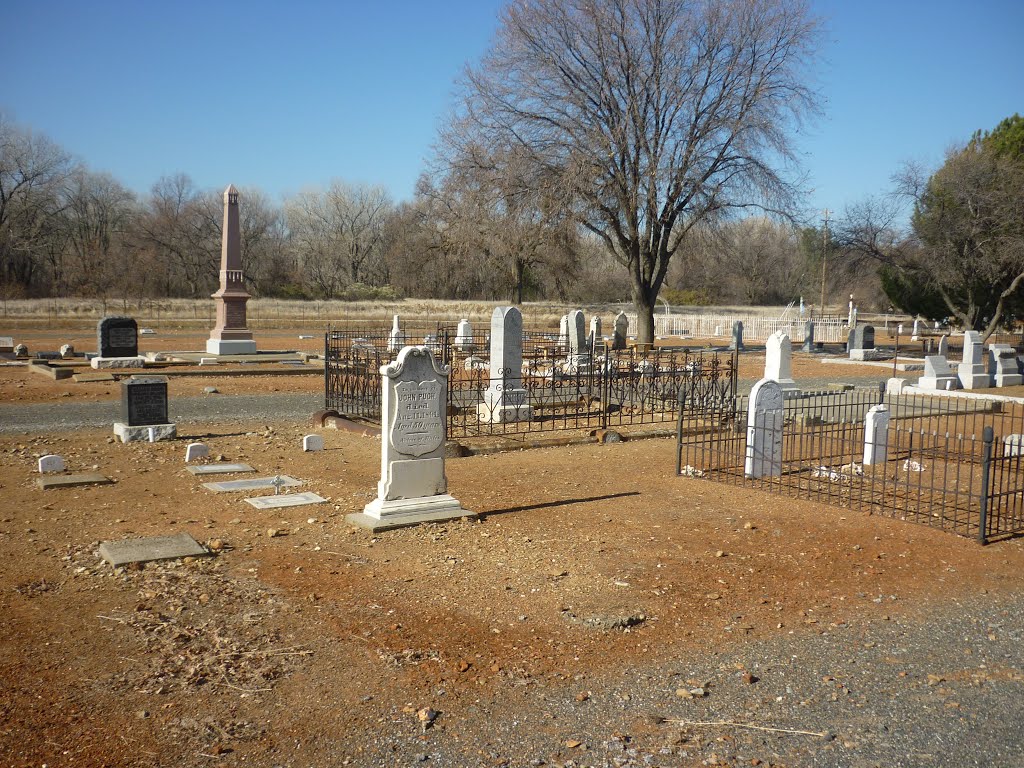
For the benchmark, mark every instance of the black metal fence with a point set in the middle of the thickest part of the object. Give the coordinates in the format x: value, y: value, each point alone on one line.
x: 949, y: 463
x: 592, y: 388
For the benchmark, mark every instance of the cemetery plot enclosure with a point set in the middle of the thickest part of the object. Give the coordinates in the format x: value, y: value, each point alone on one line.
x: 953, y: 464
x: 558, y: 389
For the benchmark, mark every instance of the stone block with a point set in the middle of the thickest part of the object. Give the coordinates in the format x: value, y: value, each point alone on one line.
x: 150, y: 433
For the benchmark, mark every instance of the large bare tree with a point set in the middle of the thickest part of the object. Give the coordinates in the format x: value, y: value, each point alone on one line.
x: 648, y: 117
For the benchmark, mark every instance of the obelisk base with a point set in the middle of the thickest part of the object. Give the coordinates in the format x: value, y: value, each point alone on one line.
x: 231, y: 346
x: 384, y: 515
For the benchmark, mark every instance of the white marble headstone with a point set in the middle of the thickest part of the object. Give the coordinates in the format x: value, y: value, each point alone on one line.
x: 876, y: 435
x: 764, y: 431
x: 505, y: 399
x: 937, y: 375
x: 312, y: 443
x: 971, y: 370
x: 778, y: 362
x: 413, y: 486
x: 195, y: 451
x: 51, y: 463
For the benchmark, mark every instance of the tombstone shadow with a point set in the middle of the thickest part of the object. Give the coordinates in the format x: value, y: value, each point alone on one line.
x: 559, y: 503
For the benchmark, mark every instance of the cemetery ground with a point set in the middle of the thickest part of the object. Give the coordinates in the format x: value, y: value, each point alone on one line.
x: 601, y: 612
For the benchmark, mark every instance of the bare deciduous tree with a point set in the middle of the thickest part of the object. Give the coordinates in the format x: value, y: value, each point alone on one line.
x: 647, y: 116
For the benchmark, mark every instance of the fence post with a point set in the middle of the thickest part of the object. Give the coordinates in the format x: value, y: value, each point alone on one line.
x: 986, y: 471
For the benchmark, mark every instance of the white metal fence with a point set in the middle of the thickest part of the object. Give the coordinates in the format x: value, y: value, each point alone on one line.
x: 831, y: 328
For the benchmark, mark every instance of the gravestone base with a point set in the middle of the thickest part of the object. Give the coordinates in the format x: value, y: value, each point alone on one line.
x: 500, y: 407
x: 790, y: 389
x: 1008, y: 379
x: 938, y: 383
x: 867, y: 354
x: 118, y: 362
x: 973, y: 376
x: 141, y: 433
x: 386, y: 514
x: 231, y: 346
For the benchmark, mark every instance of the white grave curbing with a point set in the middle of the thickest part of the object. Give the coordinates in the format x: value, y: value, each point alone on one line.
x: 413, y: 487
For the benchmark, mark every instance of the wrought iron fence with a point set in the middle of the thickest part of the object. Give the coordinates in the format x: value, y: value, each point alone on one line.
x: 949, y: 463
x: 595, y: 387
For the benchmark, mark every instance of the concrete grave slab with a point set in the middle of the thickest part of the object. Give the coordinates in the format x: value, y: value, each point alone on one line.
x: 219, y: 469
x: 252, y: 484
x: 119, y: 553
x: 71, y: 481
x: 288, y: 500
x: 87, y: 378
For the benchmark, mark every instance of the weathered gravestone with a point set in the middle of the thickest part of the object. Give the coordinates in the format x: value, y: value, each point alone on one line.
x: 20, y: 350
x: 397, y: 338
x: 117, y: 344
x: 67, y: 351
x: 1004, y: 366
x: 595, y: 331
x: 578, y: 350
x: 876, y: 435
x: 971, y: 370
x: 312, y: 443
x: 119, y: 553
x: 764, y: 431
x: 563, y: 332
x: 1013, y: 445
x: 252, y: 484
x: 6, y: 344
x: 51, y: 463
x: 808, y: 345
x: 144, y: 410
x: 219, y: 469
x: 195, y: 451
x: 289, y: 500
x: 862, y: 343
x: 464, y: 336
x: 504, y: 400
x: 413, y: 487
x: 937, y: 375
x: 620, y: 332
x: 778, y: 363
x: 943, y: 347
x: 737, y: 336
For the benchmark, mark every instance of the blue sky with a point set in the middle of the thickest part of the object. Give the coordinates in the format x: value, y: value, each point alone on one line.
x: 286, y: 96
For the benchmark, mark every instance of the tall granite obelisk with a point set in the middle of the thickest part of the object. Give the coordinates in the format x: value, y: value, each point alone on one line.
x: 230, y: 336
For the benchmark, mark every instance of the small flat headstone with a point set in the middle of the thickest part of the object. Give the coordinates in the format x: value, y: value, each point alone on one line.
x: 70, y: 481
x: 85, y: 378
x: 312, y: 443
x: 252, y: 484
x: 219, y: 469
x: 208, y: 361
x: 119, y: 553
x: 195, y: 451
x: 288, y: 500
x: 51, y: 463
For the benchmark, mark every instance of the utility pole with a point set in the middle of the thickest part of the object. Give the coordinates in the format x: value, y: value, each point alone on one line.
x: 824, y: 256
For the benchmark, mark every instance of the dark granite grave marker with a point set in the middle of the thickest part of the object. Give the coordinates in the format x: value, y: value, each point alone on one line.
x: 144, y: 401
x: 117, y: 337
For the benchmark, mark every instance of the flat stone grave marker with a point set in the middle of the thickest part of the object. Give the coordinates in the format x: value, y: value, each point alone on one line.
x: 51, y: 463
x: 71, y: 481
x: 252, y: 484
x: 119, y: 553
x: 288, y: 500
x: 218, y: 469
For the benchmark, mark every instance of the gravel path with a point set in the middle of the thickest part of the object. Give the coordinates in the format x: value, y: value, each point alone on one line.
x: 49, y: 417
x: 902, y: 693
